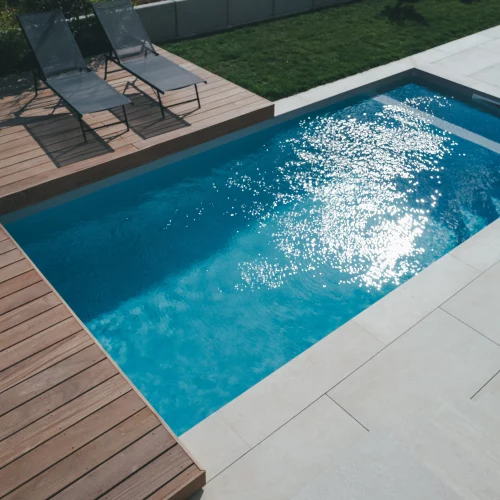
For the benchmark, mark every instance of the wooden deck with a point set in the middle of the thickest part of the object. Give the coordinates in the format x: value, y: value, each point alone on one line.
x: 42, y: 152
x: 71, y: 425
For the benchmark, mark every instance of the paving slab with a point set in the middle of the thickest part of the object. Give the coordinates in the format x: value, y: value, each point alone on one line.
x: 296, y: 385
x: 289, y: 104
x: 439, y: 360
x: 459, y: 445
x: 403, y: 308
x: 477, y: 304
x: 214, y: 444
x: 490, y: 391
x: 325, y: 92
x: 492, y: 45
x: 465, y: 43
x: 490, y: 75
x: 492, y: 33
x: 377, y: 468
x: 417, y: 387
x: 468, y: 62
x: 482, y: 250
x: 429, y: 56
x: 289, y: 459
x: 487, y: 400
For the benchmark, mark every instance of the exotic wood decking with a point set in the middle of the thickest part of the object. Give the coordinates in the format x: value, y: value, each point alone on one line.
x: 71, y: 425
x: 42, y: 152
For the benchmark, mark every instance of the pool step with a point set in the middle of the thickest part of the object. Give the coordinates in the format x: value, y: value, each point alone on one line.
x: 445, y: 125
x: 487, y: 101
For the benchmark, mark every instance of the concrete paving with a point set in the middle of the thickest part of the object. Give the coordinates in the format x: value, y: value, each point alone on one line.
x: 402, y: 402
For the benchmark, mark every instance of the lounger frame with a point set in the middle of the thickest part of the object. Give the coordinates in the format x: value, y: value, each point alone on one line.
x: 113, y: 57
x: 39, y: 75
x: 147, y: 46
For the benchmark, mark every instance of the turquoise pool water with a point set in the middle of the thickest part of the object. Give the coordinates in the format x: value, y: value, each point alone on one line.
x: 203, y: 277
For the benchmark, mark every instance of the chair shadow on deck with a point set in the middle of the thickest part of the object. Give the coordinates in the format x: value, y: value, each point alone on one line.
x: 145, y: 118
x: 58, y: 132
x: 61, y: 139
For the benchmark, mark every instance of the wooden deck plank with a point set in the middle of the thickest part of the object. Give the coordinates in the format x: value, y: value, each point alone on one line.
x: 38, y: 343
x: 10, y: 257
x: 71, y: 425
x: 28, y: 311
x: 48, y: 130
x: 33, y: 326
x: 121, y: 466
x: 43, y: 360
x: 89, y: 430
x: 21, y: 297
x: 210, y: 103
x: 23, y: 139
x: 53, y: 399
x: 6, y: 246
x: 49, y: 378
x: 95, y: 453
x: 28, y: 165
x: 19, y: 282
x: 43, y: 429
x: 152, y: 477
x: 176, y: 489
x: 16, y: 176
x: 40, y: 142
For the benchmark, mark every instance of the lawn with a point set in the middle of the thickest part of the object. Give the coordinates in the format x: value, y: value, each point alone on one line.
x: 280, y: 58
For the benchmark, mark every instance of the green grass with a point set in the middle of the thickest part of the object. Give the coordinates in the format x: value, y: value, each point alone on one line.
x: 280, y: 58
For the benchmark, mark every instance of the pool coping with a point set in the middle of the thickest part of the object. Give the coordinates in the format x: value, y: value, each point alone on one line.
x: 240, y: 426
x: 234, y: 430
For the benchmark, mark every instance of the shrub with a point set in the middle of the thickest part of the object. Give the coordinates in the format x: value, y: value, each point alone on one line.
x: 15, y: 54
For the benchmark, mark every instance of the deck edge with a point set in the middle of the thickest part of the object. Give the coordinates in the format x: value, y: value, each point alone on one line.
x: 115, y: 365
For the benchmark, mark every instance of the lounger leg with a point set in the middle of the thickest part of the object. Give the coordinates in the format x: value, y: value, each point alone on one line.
x: 35, y: 78
x: 126, y: 118
x: 197, y: 96
x: 106, y: 67
x: 161, y: 105
x: 83, y: 128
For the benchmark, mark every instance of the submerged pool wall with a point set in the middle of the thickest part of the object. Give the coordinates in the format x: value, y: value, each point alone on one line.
x: 143, y: 272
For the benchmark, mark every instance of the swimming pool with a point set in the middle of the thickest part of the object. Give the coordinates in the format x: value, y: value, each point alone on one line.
x: 203, y: 277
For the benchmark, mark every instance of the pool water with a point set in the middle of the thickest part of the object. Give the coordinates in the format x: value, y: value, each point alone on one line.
x: 205, y: 276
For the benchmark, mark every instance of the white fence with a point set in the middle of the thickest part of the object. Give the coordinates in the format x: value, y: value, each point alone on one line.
x: 172, y: 19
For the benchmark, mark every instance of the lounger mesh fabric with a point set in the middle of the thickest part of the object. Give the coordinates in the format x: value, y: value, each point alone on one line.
x: 52, y: 42
x: 124, y: 28
x: 135, y: 51
x: 63, y: 68
x: 161, y: 73
x: 87, y: 92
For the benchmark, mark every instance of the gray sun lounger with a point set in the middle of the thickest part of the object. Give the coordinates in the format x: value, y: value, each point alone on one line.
x: 62, y: 68
x: 132, y: 50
